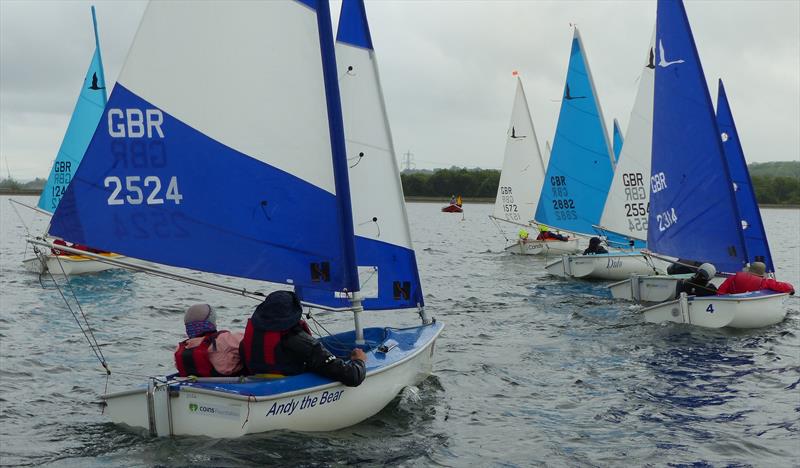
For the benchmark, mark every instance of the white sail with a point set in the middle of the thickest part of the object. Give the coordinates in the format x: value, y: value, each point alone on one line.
x: 523, y: 170
x: 626, y: 206
x: 547, y: 151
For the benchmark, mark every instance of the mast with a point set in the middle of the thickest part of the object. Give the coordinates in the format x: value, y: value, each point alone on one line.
x: 340, y: 168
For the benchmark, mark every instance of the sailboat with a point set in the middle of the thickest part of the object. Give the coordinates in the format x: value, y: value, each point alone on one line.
x: 521, y: 181
x: 660, y: 288
x: 257, y: 175
x: 618, y: 141
x: 88, y: 110
x: 694, y: 210
x: 455, y: 206
x: 624, y: 215
x: 581, y: 165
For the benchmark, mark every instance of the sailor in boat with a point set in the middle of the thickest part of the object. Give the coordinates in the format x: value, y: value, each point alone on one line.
x: 595, y: 247
x: 74, y: 246
x: 699, y: 284
x: 277, y: 342
x: 452, y: 199
x: 546, y: 235
x: 207, y: 352
x: 752, y: 279
x: 523, y: 236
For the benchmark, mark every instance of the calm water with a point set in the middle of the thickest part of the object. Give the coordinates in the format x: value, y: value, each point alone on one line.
x: 530, y: 370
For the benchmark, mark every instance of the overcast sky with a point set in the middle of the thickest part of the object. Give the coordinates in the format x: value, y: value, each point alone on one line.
x: 446, y: 69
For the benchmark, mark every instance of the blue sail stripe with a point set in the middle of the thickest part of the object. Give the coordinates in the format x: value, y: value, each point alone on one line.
x: 755, y: 237
x: 693, y: 213
x: 397, y: 268
x: 261, y: 213
x: 353, y: 26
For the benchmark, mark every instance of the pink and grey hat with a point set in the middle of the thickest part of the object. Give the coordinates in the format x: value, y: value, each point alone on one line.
x: 199, y: 320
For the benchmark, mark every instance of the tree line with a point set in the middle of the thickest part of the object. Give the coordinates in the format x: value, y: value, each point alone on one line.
x: 482, y: 183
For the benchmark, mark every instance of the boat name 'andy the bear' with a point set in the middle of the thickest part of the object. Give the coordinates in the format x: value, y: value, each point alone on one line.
x: 307, y: 401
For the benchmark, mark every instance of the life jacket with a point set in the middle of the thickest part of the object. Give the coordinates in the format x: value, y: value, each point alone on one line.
x: 195, y: 361
x: 746, y: 282
x: 262, y: 353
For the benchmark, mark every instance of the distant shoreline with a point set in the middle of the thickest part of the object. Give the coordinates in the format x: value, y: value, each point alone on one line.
x: 20, y: 191
x: 410, y: 198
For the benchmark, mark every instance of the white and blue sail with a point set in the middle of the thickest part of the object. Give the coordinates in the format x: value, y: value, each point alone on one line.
x: 755, y: 238
x: 222, y: 153
x: 581, y: 165
x: 384, y: 253
x: 88, y: 110
x: 618, y: 141
x: 693, y: 210
x: 626, y: 206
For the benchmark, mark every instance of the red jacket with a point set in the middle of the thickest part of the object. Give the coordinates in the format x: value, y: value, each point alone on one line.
x: 745, y: 282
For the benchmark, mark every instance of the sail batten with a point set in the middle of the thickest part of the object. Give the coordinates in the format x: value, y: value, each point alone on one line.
x: 232, y: 173
x: 693, y: 212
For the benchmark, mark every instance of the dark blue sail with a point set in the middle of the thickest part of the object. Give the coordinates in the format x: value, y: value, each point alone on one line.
x: 242, y: 172
x: 755, y: 237
x: 693, y: 211
x: 581, y: 164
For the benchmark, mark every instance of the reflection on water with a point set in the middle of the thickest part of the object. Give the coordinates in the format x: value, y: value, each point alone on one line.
x: 530, y: 370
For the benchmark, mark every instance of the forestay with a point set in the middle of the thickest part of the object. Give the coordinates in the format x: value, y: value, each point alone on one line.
x: 219, y: 152
x: 582, y: 163
x: 755, y: 238
x: 618, y: 141
x: 522, y: 176
x: 626, y: 207
x: 693, y: 212
x: 384, y: 253
x: 88, y: 110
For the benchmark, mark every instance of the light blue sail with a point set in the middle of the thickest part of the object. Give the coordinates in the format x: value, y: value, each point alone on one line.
x: 88, y: 110
x: 693, y: 212
x: 581, y: 163
x: 384, y: 257
x: 755, y: 238
x: 267, y: 196
x: 618, y: 141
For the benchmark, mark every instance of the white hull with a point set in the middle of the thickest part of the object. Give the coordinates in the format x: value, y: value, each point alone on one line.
x: 602, y: 267
x: 175, y: 409
x: 747, y: 310
x: 651, y: 288
x: 71, y: 264
x: 537, y: 247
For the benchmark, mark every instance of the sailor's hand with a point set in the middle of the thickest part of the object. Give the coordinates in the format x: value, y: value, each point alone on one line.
x: 359, y: 355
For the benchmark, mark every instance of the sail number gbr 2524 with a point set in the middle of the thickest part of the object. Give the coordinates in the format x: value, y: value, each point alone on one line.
x: 139, y: 190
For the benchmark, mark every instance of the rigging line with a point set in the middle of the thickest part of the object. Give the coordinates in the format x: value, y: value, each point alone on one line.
x: 494, y: 221
x: 94, y: 346
x: 24, y: 225
x: 173, y: 276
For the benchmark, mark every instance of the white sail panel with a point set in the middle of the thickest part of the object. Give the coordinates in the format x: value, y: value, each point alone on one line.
x: 628, y: 199
x: 374, y: 178
x: 243, y: 90
x: 523, y: 170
